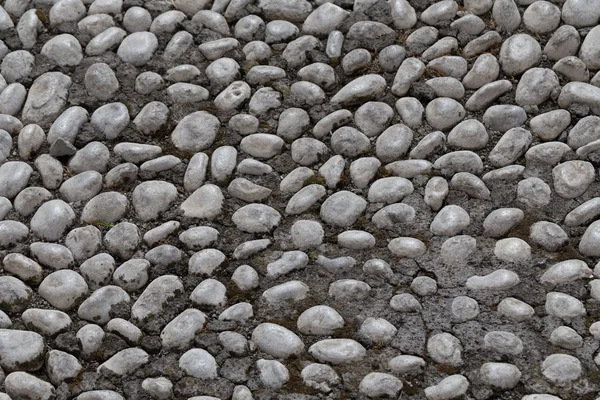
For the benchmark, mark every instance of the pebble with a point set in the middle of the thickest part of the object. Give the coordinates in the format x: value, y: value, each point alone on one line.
x: 21, y: 350
x: 307, y: 234
x: 256, y: 218
x: 566, y: 337
x: 155, y: 297
x: 46, y: 322
x: 138, y: 48
x: 342, y: 208
x: 515, y: 309
x: 465, y: 308
x: 572, y: 178
x: 14, y: 176
x: 12, y: 232
x: 361, y: 89
x: 63, y: 289
x: 319, y: 320
x: 436, y: 191
x: 536, y: 86
x: 65, y: 50
x: 448, y: 388
x: 204, y: 203
x: 376, y: 331
x: 51, y: 255
x: 411, y: 111
x: 159, y: 388
x: 533, y: 192
x: 209, y: 293
x: 52, y: 219
x: 561, y: 368
x: 548, y: 235
x: 179, y: 333
x: 288, y: 262
x: 450, y: 221
x: 500, y: 221
x: 377, y: 384
x: 30, y: 140
x: 273, y: 374
x: 500, y: 375
x: 62, y: 366
x: 337, y: 351
x: 132, y: 275
x: 262, y: 145
x: 97, y: 307
x: 591, y: 235
x: 583, y: 213
x: 566, y: 271
x: 519, y: 53
x: 320, y: 377
x: 21, y: 384
x: 500, y: 279
x: 125, y: 362
x: 563, y: 306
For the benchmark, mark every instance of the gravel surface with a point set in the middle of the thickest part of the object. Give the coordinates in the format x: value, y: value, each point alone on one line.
x: 297, y: 200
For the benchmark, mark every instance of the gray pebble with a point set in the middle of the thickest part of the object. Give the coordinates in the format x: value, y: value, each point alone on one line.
x: 97, y: 270
x: 63, y: 289
x: 82, y: 186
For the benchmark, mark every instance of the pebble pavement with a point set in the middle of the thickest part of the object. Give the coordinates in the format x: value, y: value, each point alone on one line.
x: 298, y: 200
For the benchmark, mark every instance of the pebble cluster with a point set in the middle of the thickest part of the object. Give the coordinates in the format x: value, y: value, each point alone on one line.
x: 296, y: 200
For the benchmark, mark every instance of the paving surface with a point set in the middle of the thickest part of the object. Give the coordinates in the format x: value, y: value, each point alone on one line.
x: 292, y: 199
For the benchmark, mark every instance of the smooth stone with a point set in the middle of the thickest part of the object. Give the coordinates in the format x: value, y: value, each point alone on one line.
x: 580, y: 93
x: 125, y: 362
x: 14, y: 177
x: 407, y: 247
x: 138, y: 48
x: 65, y: 50
x: 337, y: 351
x: 550, y: 125
x: 277, y: 341
x: 46, y: 322
x: 583, y: 213
x: 444, y: 113
x: 23, y: 385
x: 566, y: 337
x: 448, y: 388
x: 500, y: 221
x: 445, y: 349
x: 319, y: 320
x: 485, y: 70
x: 156, y: 296
x: 561, y: 369
x: 500, y: 279
x: 515, y: 309
x: 63, y: 289
x: 572, y: 178
x: 359, y: 90
x: 504, y: 117
x: 288, y: 262
x: 564, y: 306
x: 566, y: 271
x: 180, y: 332
x: 450, y: 221
x: 587, y: 245
x: 204, y: 203
x: 256, y: 218
x: 132, y: 275
x: 262, y: 145
x: 376, y: 384
x: 342, y: 208
x: 519, y: 53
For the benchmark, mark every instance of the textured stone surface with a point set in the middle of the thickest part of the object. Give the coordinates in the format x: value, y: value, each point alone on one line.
x: 299, y: 199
